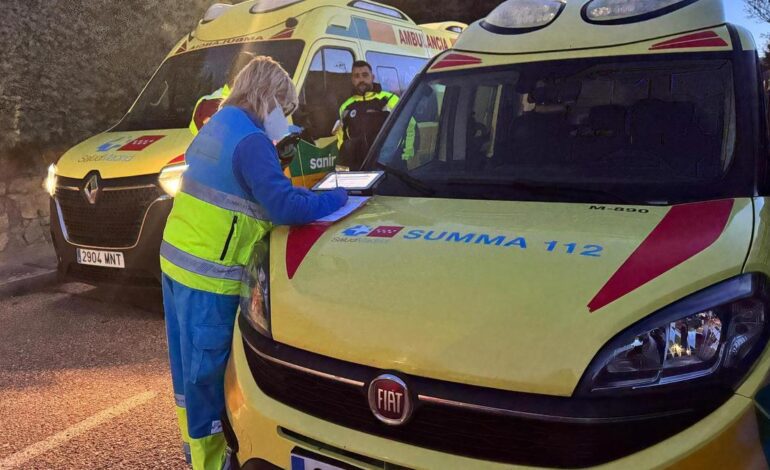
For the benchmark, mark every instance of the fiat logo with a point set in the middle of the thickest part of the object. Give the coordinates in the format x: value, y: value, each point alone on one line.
x: 389, y: 400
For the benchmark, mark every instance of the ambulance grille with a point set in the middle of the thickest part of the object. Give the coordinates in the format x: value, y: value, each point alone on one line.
x: 115, y: 220
x: 464, y: 432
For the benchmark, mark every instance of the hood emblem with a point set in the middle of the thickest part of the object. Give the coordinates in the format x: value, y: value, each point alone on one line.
x: 389, y: 400
x: 91, y: 189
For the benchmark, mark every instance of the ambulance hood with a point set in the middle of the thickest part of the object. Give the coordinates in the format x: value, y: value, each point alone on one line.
x: 512, y: 295
x: 124, y: 154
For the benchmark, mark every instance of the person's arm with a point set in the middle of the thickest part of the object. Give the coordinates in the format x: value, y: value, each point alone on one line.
x: 339, y: 131
x: 392, y: 102
x: 257, y: 170
x: 340, y: 126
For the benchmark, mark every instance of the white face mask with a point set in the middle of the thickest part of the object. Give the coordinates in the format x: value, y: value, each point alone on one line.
x: 276, y: 124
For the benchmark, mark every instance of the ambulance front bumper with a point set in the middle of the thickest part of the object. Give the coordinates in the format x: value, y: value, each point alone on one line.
x: 266, y: 432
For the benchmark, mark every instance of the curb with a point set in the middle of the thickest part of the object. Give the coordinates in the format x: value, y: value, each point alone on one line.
x: 28, y: 283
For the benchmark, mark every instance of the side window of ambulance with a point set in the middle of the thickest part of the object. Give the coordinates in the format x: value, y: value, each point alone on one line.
x: 393, y: 70
x: 327, y: 86
x: 388, y: 78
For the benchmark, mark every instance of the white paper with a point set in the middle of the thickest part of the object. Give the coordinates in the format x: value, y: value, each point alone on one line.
x: 354, y: 202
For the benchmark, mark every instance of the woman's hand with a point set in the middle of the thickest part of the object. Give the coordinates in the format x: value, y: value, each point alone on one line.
x: 341, y: 195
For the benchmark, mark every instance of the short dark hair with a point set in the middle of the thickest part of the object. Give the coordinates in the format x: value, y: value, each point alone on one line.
x: 362, y: 63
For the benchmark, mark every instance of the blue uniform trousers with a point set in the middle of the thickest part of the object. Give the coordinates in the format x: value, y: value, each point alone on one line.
x: 199, y: 328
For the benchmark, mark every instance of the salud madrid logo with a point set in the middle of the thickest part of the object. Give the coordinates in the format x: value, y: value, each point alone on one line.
x: 368, y: 234
x: 383, y: 231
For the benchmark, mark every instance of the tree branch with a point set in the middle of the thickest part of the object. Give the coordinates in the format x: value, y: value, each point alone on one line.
x: 759, y: 9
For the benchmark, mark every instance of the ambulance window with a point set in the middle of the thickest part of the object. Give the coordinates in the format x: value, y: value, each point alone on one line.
x: 388, y: 78
x: 406, y: 67
x: 326, y: 87
x: 650, y: 129
x: 168, y: 100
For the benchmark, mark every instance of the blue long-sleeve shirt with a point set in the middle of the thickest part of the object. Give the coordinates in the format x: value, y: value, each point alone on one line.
x: 258, y: 171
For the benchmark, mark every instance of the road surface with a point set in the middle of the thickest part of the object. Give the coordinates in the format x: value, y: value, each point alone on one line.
x: 84, y: 381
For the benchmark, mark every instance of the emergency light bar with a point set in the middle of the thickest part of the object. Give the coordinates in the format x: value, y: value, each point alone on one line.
x: 522, y: 16
x: 215, y: 11
x: 629, y: 11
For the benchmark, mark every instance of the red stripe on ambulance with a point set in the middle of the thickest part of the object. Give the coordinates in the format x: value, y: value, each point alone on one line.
x: 703, y: 39
x: 299, y: 242
x: 683, y: 233
x: 179, y: 159
x: 456, y: 60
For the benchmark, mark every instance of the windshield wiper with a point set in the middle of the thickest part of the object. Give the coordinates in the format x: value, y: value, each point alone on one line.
x: 539, y: 188
x: 408, y: 180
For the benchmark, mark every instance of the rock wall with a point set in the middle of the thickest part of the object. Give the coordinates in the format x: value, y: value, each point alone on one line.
x: 24, y: 213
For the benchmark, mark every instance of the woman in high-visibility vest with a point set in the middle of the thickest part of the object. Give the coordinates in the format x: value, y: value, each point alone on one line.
x: 232, y: 193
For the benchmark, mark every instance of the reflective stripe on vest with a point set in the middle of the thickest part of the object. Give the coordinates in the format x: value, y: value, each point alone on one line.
x: 199, y: 265
x: 223, y: 200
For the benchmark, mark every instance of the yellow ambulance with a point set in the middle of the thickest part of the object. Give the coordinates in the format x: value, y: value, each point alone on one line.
x: 570, y: 271
x: 112, y: 193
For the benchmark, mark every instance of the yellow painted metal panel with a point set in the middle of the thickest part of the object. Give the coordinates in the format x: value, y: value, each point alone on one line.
x: 513, y: 318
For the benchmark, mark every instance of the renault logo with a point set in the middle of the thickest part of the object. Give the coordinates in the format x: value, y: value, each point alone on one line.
x: 91, y: 189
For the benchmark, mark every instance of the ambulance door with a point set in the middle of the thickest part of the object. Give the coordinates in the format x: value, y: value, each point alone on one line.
x: 324, y: 86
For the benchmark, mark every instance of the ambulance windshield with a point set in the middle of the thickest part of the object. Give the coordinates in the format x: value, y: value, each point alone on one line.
x: 169, y: 99
x: 638, y: 129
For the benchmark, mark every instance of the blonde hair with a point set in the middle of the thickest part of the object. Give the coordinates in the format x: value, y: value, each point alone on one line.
x: 259, y: 85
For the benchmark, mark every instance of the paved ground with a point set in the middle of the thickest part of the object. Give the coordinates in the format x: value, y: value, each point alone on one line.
x: 84, y: 381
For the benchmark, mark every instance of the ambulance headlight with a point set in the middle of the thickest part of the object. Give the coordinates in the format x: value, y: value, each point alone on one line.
x: 255, y: 289
x: 712, y: 336
x: 518, y: 16
x: 50, y: 180
x: 170, y: 178
x: 629, y: 11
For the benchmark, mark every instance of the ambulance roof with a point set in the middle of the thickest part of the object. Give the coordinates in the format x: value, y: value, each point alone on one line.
x: 229, y: 21
x: 531, y: 26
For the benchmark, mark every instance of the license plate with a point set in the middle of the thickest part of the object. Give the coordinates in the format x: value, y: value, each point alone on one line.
x: 107, y: 259
x: 304, y: 462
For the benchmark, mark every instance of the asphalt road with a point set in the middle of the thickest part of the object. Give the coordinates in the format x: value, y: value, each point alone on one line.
x: 84, y: 381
